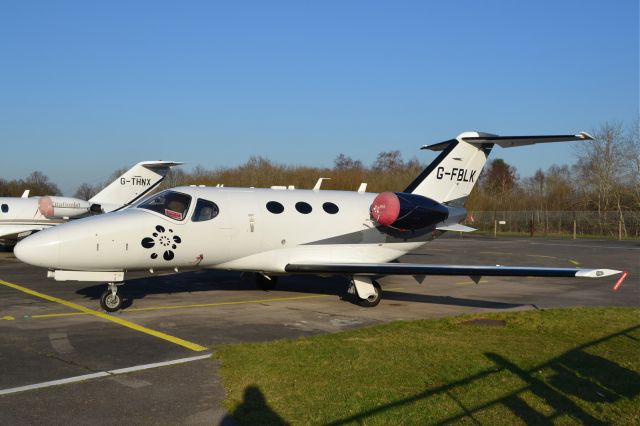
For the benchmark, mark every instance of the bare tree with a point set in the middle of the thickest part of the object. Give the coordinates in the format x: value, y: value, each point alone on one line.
x: 388, y: 161
x: 343, y: 162
x: 86, y: 191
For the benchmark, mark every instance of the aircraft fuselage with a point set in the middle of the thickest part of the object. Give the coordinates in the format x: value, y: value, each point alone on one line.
x: 249, y: 232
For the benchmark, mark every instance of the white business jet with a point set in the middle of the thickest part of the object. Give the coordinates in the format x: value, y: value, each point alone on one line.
x: 22, y: 216
x: 282, y: 230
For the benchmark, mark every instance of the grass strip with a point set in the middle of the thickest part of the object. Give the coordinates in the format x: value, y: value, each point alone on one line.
x: 575, y: 366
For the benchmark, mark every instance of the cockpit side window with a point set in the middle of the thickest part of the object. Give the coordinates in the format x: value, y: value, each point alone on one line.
x: 205, y: 210
x: 5, y: 208
x: 169, y: 203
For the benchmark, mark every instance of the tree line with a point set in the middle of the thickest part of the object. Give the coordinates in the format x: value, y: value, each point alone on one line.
x: 605, y: 177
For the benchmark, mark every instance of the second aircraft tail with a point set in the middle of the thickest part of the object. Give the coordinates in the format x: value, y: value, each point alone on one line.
x: 134, y: 184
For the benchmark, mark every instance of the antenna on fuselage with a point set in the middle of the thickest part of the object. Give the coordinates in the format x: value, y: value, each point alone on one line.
x: 319, y: 183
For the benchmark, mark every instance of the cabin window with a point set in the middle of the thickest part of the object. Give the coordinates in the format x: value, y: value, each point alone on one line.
x: 205, y: 210
x: 5, y: 208
x: 303, y: 207
x: 275, y: 207
x: 169, y: 203
x: 330, y: 208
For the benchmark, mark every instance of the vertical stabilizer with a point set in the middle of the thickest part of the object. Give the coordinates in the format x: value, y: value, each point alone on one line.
x: 134, y: 184
x: 452, y: 175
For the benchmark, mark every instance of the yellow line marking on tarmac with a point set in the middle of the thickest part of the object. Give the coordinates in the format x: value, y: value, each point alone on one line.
x: 494, y: 252
x: 68, y: 314
x: 472, y: 282
x: 123, y: 322
x: 575, y: 262
x: 541, y: 255
x: 237, y: 302
x: 7, y: 318
x: 202, y: 305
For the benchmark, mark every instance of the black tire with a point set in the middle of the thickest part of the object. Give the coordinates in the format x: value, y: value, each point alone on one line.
x: 265, y: 283
x: 109, y: 302
x: 372, y: 300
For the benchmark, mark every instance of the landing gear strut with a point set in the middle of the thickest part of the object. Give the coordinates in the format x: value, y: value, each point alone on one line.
x: 110, y: 300
x: 367, y: 291
x: 265, y: 282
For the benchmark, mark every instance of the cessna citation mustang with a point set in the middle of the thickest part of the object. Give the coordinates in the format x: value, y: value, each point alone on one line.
x: 20, y: 217
x: 277, y: 231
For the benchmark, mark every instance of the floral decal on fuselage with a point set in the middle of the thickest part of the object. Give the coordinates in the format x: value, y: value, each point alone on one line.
x: 164, y: 239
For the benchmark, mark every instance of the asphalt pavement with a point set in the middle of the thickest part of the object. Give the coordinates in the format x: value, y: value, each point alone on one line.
x: 149, y: 364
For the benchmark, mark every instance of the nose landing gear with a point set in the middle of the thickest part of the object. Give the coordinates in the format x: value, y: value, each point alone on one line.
x: 367, y: 291
x: 110, y: 300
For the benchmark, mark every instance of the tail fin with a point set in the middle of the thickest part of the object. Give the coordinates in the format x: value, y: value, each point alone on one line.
x: 452, y: 175
x: 134, y: 184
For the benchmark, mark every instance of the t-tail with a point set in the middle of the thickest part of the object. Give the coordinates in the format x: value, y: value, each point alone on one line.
x: 133, y: 185
x: 450, y: 178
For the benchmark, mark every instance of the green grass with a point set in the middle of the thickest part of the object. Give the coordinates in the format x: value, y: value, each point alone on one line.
x: 565, y: 366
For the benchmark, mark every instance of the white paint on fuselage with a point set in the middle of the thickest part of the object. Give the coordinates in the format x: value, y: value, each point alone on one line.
x: 23, y: 211
x: 243, y: 236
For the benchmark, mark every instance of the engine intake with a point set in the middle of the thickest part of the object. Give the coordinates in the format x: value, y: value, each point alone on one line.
x: 406, y: 211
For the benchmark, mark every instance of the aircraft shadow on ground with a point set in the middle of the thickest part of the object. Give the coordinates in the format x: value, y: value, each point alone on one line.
x: 576, y: 374
x: 212, y: 281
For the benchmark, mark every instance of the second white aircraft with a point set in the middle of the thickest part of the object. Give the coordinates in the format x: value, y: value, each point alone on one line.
x: 277, y: 231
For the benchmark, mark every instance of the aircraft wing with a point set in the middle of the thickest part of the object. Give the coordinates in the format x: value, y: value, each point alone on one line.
x: 14, y: 232
x: 461, y: 270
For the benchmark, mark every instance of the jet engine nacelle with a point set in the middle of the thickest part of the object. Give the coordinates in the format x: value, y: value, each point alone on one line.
x: 406, y: 211
x: 62, y: 207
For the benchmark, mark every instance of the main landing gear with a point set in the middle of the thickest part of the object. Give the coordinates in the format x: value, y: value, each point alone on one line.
x: 110, y: 300
x: 367, y: 291
x: 265, y: 282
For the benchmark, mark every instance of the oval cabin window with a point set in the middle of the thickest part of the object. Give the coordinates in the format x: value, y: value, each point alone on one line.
x: 303, y: 207
x: 275, y: 207
x: 330, y: 208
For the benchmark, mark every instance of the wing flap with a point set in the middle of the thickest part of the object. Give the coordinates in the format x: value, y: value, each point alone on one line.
x: 459, y: 270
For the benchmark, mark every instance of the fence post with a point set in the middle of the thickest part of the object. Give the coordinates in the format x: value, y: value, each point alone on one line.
x: 495, y: 228
x: 574, y: 229
x: 619, y: 230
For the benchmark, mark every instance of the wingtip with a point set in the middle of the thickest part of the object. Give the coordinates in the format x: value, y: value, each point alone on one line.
x: 585, y: 136
x: 596, y: 273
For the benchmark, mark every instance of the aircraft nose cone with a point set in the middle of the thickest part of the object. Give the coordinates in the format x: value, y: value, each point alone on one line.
x: 38, y: 250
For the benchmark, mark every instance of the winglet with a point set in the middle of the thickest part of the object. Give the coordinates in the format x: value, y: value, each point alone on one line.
x: 25, y: 194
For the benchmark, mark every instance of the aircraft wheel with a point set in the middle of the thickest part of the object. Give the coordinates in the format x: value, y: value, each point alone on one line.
x: 265, y: 283
x: 110, y: 302
x: 372, y: 301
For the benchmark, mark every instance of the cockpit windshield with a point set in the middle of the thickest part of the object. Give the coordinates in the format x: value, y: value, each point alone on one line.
x: 169, y: 203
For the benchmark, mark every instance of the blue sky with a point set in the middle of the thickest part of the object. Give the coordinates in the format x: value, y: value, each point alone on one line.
x: 87, y: 87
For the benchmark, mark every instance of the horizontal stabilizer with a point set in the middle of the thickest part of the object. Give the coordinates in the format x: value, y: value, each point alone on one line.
x: 458, y: 270
x: 479, y: 139
x: 456, y: 227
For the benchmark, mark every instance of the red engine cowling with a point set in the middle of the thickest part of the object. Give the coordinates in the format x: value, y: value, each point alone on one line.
x: 406, y: 211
